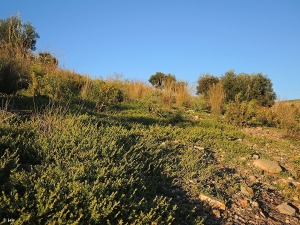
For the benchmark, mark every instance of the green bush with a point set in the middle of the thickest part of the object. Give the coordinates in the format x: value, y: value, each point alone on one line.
x: 248, y: 87
x: 88, y: 174
x: 240, y: 113
x: 103, y: 94
x: 14, y: 72
x: 61, y: 85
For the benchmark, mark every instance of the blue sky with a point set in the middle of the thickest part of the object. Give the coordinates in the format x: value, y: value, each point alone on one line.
x: 187, y: 38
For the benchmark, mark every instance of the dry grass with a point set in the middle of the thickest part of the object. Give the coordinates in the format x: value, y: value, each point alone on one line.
x: 288, y: 116
x: 183, y: 94
x: 136, y: 90
x: 216, y: 96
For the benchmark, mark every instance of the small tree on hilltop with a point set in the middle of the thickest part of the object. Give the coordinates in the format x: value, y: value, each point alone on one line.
x: 204, y: 83
x: 249, y: 87
x: 17, y: 34
x: 17, y: 41
x: 161, y: 80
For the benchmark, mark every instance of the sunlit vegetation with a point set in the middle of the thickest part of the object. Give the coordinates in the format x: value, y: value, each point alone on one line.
x: 78, y: 150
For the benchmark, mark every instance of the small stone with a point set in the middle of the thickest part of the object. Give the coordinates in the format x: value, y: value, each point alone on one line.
x: 212, y: 201
x: 284, y: 208
x: 217, y: 213
x: 163, y: 144
x: 243, y: 202
x: 255, y: 204
x: 247, y: 191
x: 252, y: 179
x: 267, y: 165
x: 255, y: 156
x: 199, y: 148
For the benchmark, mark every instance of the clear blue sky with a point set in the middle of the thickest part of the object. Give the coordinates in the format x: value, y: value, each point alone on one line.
x: 187, y: 38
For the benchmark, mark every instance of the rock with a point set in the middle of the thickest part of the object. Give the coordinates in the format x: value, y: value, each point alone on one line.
x: 290, y: 181
x: 255, y: 204
x: 196, y: 118
x: 217, y: 213
x: 284, y: 208
x: 255, y: 156
x: 199, y: 148
x: 243, y: 202
x: 267, y: 165
x: 163, y: 144
x: 247, y: 191
x: 212, y: 201
x: 252, y: 179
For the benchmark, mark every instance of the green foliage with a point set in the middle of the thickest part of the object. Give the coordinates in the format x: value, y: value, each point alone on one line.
x: 103, y: 94
x: 204, y: 83
x: 18, y: 34
x: 61, y: 85
x: 287, y: 116
x: 161, y: 80
x: 83, y: 181
x: 240, y: 113
x: 47, y: 59
x: 14, y: 71
x: 249, y: 87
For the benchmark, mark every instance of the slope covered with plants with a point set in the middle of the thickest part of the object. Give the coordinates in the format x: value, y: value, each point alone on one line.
x: 76, y: 150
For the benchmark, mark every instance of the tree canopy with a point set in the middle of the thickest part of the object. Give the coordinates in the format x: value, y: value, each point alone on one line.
x: 247, y: 87
x: 17, y: 41
x: 161, y: 80
x: 205, y: 82
x: 18, y: 34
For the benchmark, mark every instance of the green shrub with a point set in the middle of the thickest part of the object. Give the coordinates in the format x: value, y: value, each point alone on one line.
x: 240, y: 113
x: 14, y: 72
x: 103, y: 94
x: 61, y: 85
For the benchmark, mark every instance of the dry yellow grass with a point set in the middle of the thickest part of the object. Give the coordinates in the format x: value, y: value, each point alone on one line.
x: 216, y: 96
x: 288, y: 115
x: 136, y: 90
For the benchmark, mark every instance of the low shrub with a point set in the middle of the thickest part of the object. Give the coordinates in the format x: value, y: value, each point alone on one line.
x: 14, y: 70
x: 240, y: 113
x: 288, y: 117
x: 103, y: 94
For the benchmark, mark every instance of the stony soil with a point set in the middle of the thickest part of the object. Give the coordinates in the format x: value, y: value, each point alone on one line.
x: 265, y: 191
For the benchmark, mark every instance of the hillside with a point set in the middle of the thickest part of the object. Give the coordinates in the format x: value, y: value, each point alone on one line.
x: 127, y: 165
x: 82, y: 150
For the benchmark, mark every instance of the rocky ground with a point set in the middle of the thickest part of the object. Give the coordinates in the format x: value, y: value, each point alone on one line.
x: 266, y: 196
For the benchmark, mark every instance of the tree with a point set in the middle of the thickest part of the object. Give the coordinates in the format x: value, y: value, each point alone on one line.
x: 17, y: 34
x: 17, y: 41
x: 47, y: 59
x: 248, y: 87
x: 262, y: 90
x: 205, y: 82
x: 161, y: 80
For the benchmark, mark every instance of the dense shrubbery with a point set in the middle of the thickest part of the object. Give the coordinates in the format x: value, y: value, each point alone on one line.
x: 138, y: 163
x: 86, y: 172
x: 247, y: 87
x: 14, y: 70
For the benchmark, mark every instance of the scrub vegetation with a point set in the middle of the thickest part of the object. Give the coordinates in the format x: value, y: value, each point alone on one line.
x: 77, y: 150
